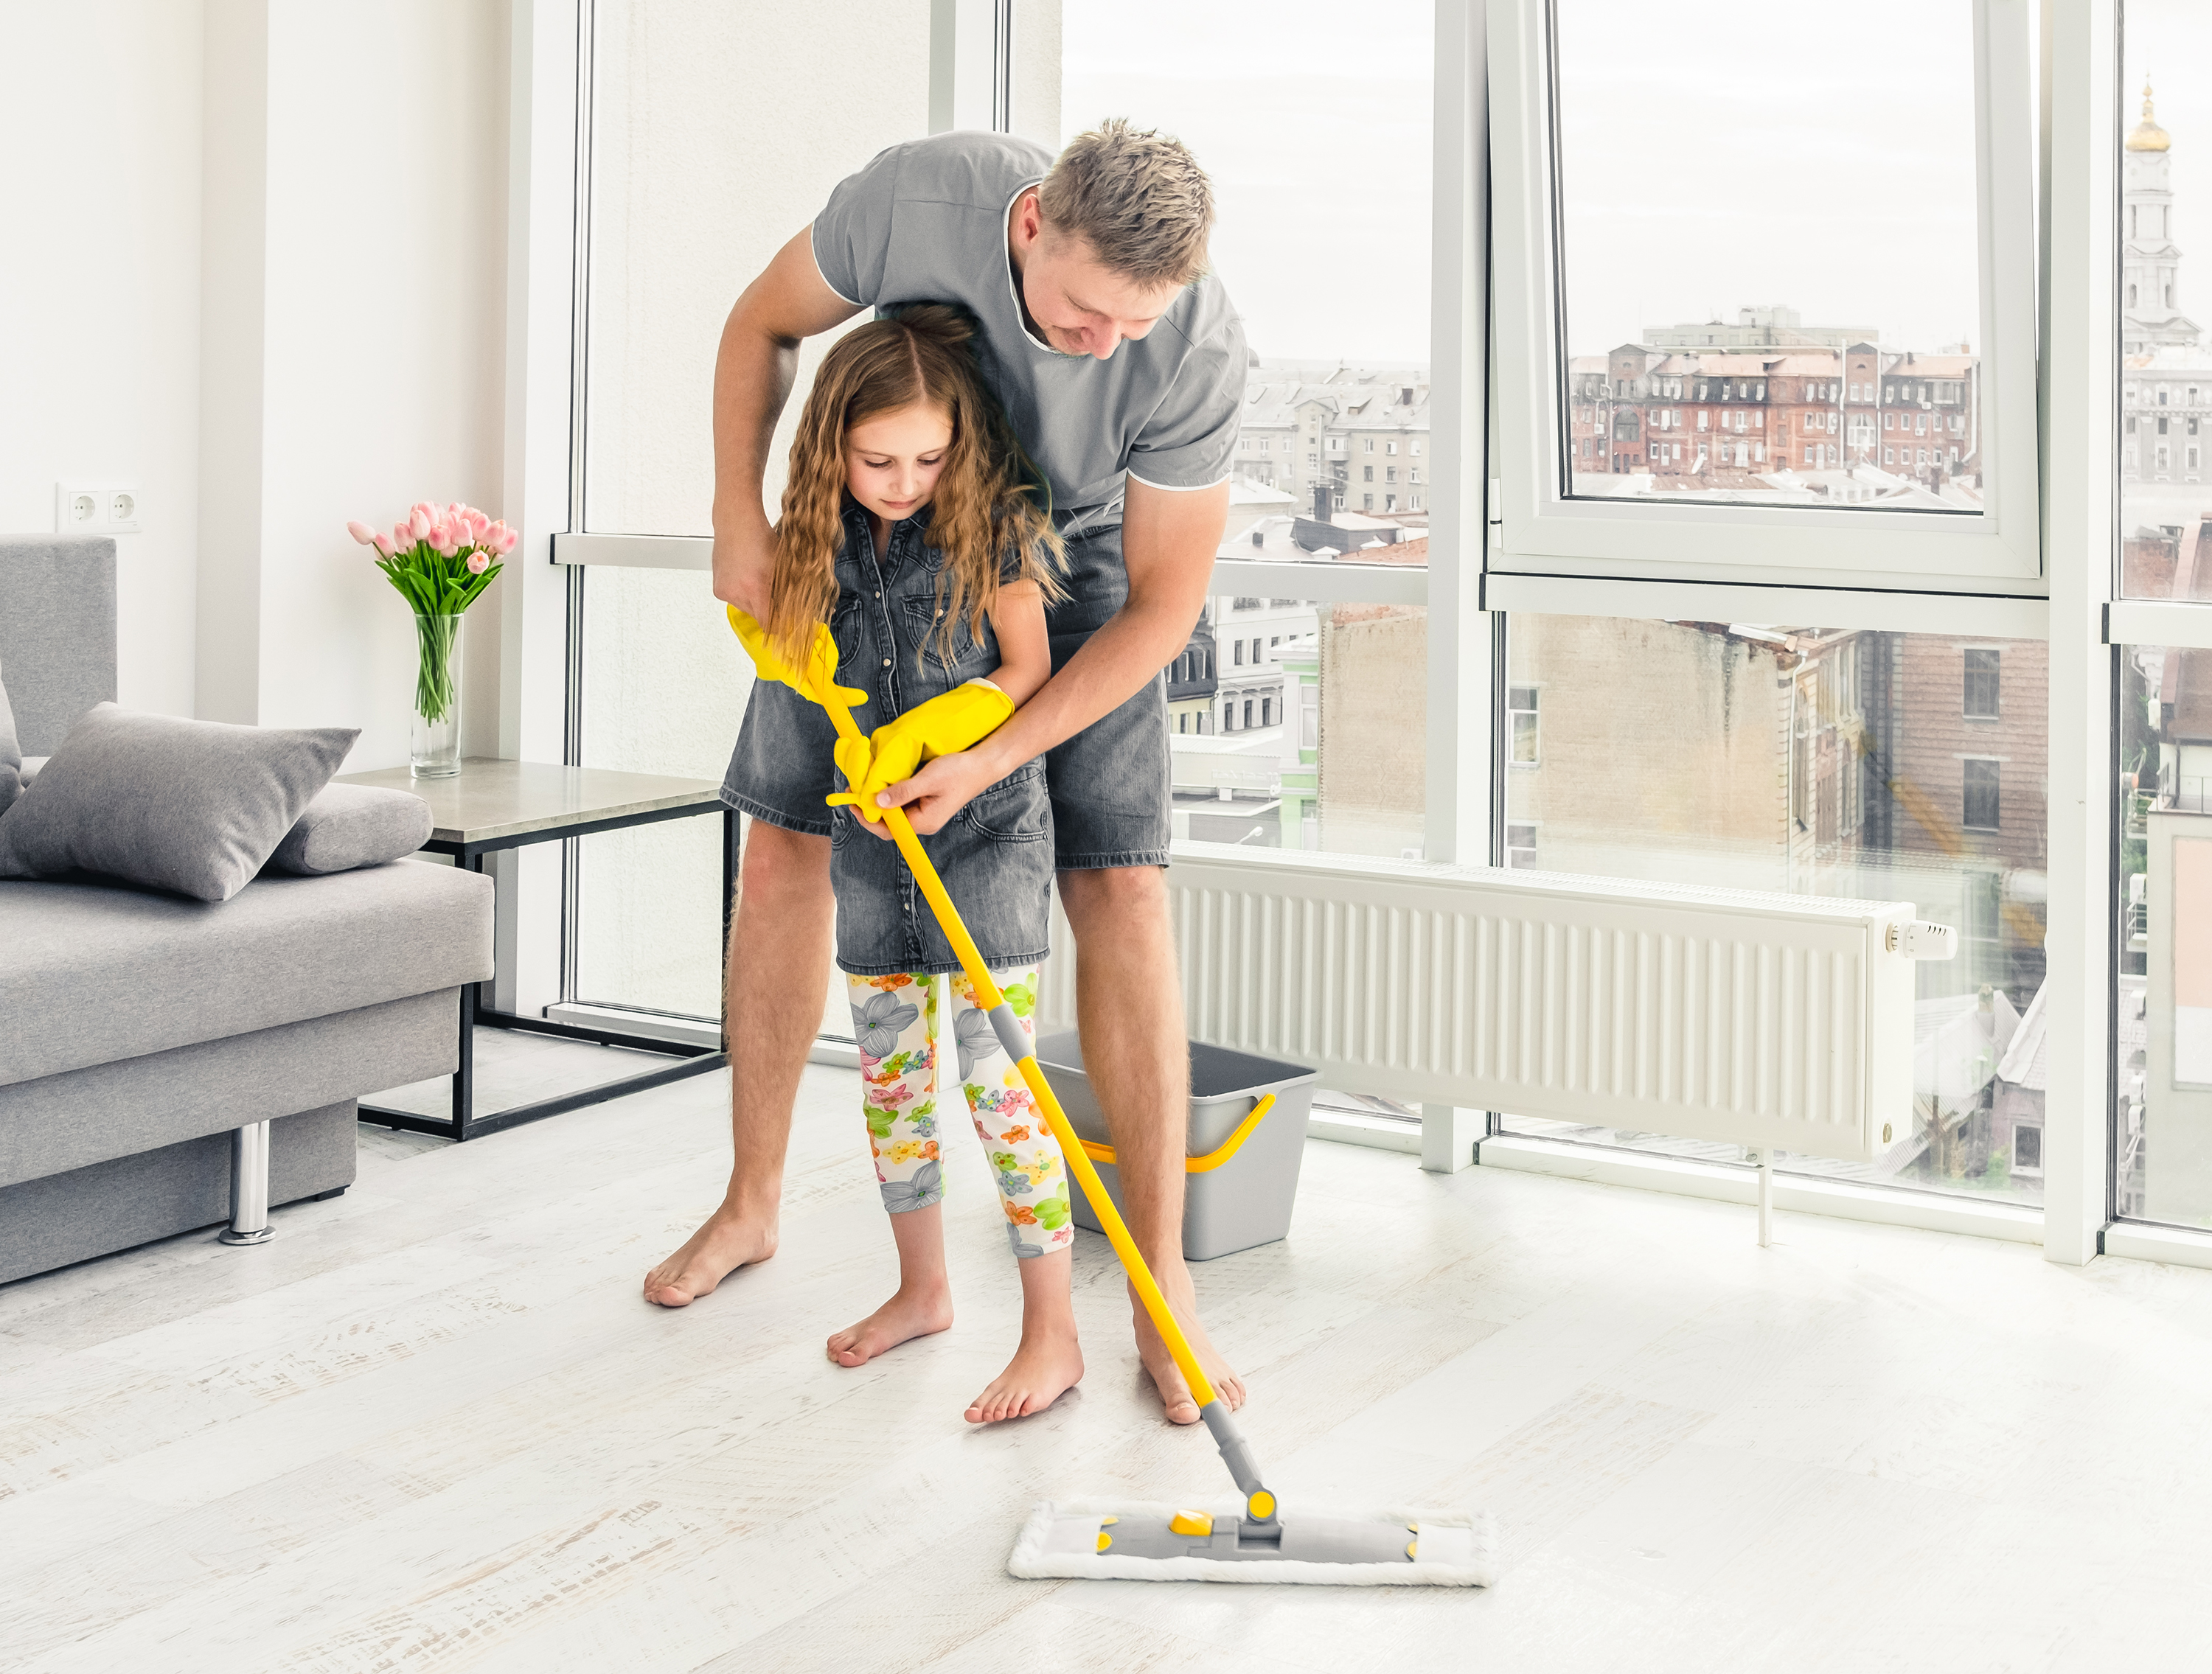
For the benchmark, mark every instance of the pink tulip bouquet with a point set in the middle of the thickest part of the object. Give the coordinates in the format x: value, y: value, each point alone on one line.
x: 439, y: 560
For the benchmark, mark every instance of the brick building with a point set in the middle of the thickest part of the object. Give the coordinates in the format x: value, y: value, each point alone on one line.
x: 1928, y: 407
x: 1736, y: 419
x: 1806, y: 397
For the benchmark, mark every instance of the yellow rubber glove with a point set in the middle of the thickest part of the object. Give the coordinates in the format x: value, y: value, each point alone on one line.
x: 816, y: 682
x: 960, y: 719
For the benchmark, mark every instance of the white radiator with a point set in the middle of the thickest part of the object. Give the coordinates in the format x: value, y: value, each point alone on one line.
x: 1767, y: 1019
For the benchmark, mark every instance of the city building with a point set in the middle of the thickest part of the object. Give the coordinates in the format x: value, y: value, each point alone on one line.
x: 1192, y: 682
x: 1362, y: 432
x: 2166, y: 390
x: 2150, y: 262
x: 1736, y: 420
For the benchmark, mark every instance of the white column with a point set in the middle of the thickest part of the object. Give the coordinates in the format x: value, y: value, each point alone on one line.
x: 529, y: 605
x: 2078, y: 434
x: 352, y: 341
x: 965, y: 70
x: 1458, y: 817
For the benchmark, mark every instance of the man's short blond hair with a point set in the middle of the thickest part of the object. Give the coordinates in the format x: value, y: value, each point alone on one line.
x: 1139, y: 199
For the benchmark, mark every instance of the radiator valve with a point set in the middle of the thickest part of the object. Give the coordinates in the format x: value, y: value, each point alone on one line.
x: 1919, y: 939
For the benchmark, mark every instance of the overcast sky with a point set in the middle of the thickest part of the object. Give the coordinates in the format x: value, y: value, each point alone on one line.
x: 1313, y: 121
x: 1716, y: 154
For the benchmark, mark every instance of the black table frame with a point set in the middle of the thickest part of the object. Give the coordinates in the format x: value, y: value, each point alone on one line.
x: 465, y: 1124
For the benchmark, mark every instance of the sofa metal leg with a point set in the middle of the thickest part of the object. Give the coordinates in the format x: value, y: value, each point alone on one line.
x: 249, y: 1187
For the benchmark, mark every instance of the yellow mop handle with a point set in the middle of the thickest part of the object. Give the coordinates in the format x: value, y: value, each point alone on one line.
x: 988, y: 998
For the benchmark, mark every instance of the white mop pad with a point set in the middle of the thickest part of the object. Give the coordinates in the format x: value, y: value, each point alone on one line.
x: 1456, y: 1548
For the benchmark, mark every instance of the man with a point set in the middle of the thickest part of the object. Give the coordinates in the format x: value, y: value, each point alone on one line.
x: 1121, y: 364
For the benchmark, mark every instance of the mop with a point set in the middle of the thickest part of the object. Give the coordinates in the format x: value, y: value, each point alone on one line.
x: 1250, y: 1538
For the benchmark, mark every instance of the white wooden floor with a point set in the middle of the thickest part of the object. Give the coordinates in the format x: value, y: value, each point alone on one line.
x: 432, y: 1426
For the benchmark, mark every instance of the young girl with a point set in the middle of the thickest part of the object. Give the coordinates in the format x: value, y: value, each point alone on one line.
x: 908, y: 530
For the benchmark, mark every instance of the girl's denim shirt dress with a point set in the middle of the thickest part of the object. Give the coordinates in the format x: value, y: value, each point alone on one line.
x: 996, y: 855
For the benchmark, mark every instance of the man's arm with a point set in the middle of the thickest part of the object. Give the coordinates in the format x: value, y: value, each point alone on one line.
x: 1168, y: 541
x: 753, y: 375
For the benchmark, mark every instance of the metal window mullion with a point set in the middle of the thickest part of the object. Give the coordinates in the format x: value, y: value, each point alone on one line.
x: 572, y: 730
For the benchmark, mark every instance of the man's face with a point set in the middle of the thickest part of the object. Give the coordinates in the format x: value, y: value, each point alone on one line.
x: 1081, y: 306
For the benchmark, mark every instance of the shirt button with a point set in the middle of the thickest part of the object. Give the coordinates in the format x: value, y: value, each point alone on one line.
x: 887, y: 662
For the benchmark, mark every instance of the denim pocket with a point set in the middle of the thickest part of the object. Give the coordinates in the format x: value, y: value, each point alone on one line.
x: 960, y: 656
x: 1016, y: 810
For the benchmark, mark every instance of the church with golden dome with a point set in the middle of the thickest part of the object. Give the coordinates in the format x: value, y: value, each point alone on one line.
x: 2166, y: 371
x: 2149, y: 262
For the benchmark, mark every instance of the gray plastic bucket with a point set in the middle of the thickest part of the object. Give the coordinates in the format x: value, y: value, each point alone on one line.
x: 1246, y: 1200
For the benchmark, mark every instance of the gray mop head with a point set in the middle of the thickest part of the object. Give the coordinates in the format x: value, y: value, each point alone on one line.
x: 1094, y: 1539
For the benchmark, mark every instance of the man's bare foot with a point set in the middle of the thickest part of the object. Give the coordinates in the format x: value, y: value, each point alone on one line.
x: 909, y: 1314
x: 1046, y: 1366
x: 1175, y: 1400
x: 727, y: 1241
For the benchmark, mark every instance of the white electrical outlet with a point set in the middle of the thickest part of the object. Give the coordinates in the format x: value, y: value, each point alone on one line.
x: 93, y: 508
x: 79, y: 508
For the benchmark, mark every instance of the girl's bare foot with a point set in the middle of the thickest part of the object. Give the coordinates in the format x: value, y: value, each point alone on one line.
x: 729, y: 1239
x: 1046, y: 1366
x: 909, y: 1314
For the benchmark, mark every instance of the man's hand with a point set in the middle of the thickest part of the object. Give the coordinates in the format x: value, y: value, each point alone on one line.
x: 744, y: 566
x: 947, y: 724
x: 944, y: 785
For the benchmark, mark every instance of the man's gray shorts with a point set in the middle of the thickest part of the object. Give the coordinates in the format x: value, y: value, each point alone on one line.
x: 1109, y: 784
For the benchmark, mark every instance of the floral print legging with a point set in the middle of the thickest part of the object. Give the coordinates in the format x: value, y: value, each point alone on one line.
x: 895, y: 1020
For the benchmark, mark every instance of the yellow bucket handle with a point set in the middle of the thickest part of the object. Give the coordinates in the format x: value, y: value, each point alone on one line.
x: 1211, y: 1160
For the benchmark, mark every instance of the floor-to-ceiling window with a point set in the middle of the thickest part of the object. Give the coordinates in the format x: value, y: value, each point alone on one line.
x: 1766, y: 489
x: 2162, y: 1045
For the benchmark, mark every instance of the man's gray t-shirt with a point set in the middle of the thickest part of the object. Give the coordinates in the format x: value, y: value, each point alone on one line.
x: 926, y: 221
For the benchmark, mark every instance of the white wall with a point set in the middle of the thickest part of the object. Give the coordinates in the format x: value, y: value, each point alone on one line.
x: 379, y: 243
x: 257, y: 271
x: 99, y: 193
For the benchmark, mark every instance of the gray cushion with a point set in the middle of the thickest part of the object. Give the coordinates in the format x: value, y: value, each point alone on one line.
x: 192, y: 806
x: 30, y: 766
x: 11, y: 754
x: 348, y: 826
x: 92, y: 973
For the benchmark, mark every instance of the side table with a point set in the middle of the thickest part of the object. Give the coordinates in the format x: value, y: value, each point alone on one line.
x: 491, y: 805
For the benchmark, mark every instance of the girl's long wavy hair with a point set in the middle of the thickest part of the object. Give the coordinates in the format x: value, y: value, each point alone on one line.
x: 986, y: 502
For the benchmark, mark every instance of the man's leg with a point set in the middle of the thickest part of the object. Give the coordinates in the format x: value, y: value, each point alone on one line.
x: 1128, y: 1004
x: 778, y: 971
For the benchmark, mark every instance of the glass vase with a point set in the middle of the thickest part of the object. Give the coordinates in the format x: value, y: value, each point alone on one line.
x: 434, y: 736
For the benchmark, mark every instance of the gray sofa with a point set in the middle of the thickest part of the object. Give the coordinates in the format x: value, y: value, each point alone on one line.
x: 166, y: 1065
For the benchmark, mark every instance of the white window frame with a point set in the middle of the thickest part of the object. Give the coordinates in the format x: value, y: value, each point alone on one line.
x: 1543, y: 530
